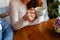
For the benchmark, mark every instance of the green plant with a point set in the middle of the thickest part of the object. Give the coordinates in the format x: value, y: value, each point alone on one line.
x: 57, y: 2
x: 58, y: 14
x: 53, y: 11
x: 52, y: 8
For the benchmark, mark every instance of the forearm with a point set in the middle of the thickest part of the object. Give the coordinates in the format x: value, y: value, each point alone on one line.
x: 18, y: 25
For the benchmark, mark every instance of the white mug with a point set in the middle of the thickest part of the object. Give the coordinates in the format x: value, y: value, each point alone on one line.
x: 40, y: 11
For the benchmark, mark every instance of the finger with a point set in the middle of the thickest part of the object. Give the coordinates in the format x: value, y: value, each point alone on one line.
x: 32, y: 11
x: 31, y: 17
x: 32, y: 8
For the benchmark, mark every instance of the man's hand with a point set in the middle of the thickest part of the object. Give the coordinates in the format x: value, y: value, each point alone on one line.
x: 3, y: 15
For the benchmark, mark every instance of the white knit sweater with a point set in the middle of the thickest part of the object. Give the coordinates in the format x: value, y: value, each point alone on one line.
x: 20, y: 11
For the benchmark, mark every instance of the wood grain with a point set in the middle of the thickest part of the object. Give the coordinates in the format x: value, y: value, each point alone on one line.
x: 42, y: 31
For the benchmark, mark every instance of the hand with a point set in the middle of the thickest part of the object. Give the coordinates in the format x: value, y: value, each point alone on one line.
x: 3, y: 15
x: 30, y: 15
x: 41, y: 3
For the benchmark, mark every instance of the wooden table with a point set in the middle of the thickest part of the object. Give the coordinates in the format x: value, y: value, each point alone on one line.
x: 42, y: 31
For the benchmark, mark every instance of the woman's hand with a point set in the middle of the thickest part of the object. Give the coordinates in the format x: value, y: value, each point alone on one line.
x: 41, y: 3
x: 30, y: 15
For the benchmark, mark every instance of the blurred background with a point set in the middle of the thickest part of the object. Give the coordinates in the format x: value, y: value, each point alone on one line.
x: 52, y: 8
x: 4, y: 5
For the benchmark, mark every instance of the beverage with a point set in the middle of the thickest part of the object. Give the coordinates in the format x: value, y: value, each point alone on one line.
x: 40, y: 11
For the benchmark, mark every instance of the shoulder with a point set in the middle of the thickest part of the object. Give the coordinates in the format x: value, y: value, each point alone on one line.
x: 13, y: 2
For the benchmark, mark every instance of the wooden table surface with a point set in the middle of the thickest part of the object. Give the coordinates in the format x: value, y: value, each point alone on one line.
x: 42, y: 31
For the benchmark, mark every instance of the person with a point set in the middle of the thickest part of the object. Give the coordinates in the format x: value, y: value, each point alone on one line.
x: 22, y: 13
x: 6, y: 31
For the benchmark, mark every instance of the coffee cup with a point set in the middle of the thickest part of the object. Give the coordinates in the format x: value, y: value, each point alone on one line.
x: 40, y: 11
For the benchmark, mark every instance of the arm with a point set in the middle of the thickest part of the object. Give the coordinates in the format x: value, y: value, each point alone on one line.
x: 13, y: 13
x: 15, y: 22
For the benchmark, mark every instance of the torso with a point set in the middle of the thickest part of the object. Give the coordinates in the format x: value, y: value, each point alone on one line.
x: 22, y: 11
